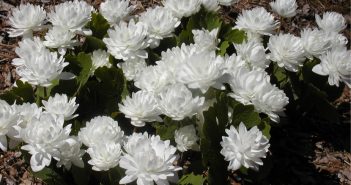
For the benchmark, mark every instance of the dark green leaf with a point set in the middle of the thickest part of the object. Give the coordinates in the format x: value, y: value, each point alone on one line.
x: 22, y: 93
x: 235, y: 36
x: 191, y: 179
x: 98, y: 25
x: 49, y: 176
x: 92, y: 43
x: 245, y: 114
x: 223, y: 48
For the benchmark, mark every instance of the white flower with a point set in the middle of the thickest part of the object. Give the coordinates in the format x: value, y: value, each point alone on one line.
x: 60, y: 38
x: 186, y: 138
x: 206, y: 40
x: 211, y: 5
x: 25, y: 113
x: 245, y: 84
x: 8, y: 118
x: 256, y: 22
x: 201, y: 71
x: 287, y: 50
x: 101, y: 129
x: 227, y: 2
x: 254, y: 87
x: 72, y: 15
x: 70, y: 152
x: 182, y: 8
x: 61, y: 105
x: 244, y: 147
x: 285, y: 8
x: 175, y: 57
x: 140, y: 108
x: 115, y: 11
x: 44, y: 136
x: 132, y: 68
x: 160, y: 22
x: 27, y: 48
x: 331, y: 22
x: 315, y: 42
x: 104, y: 156
x: 336, y: 64
x: 148, y: 159
x: 253, y: 53
x: 153, y: 78
x: 232, y: 63
x: 100, y: 58
x: 25, y: 19
x: 127, y: 41
x: 336, y: 39
x: 177, y: 102
x: 271, y: 101
x: 41, y: 68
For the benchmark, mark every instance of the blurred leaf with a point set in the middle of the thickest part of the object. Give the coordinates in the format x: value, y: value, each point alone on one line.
x: 191, y: 179
x: 166, y: 130
x: 65, y: 87
x: 245, y: 114
x: 216, y: 119
x: 314, y: 102
x: 22, y: 93
x: 235, y: 36
x: 49, y: 176
x: 98, y: 25
x: 101, y: 96
x: 81, y: 176
x: 223, y: 48
x: 212, y: 21
x: 265, y: 127
x: 84, y: 61
x: 321, y: 82
x: 92, y: 43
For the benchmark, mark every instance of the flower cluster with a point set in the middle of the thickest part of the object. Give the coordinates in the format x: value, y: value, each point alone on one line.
x: 176, y: 84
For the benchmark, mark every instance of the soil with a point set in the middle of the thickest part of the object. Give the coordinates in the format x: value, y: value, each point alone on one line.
x: 314, y: 153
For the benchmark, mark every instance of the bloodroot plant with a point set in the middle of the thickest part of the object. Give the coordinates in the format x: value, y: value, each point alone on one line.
x: 122, y: 98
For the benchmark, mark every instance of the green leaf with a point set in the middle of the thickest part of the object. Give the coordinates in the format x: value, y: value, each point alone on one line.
x: 245, y: 114
x: 235, y: 36
x: 265, y: 127
x: 166, y: 130
x: 101, y: 95
x: 92, y: 43
x: 98, y: 25
x: 22, y: 93
x: 216, y: 119
x: 223, y: 48
x: 49, y: 176
x: 314, y: 102
x: 212, y: 21
x: 84, y: 61
x: 191, y: 179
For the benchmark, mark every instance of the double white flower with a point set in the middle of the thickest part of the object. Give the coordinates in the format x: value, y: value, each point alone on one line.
x: 285, y: 8
x: 160, y: 24
x: 244, y: 147
x: 25, y: 19
x: 72, y: 16
x: 61, y: 105
x: 336, y: 64
x: 140, y: 108
x: 287, y: 50
x: 256, y: 22
x: 186, y: 138
x: 182, y: 8
x: 177, y: 102
x: 148, y: 159
x: 115, y: 11
x: 127, y: 40
x: 253, y: 87
x: 8, y: 118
